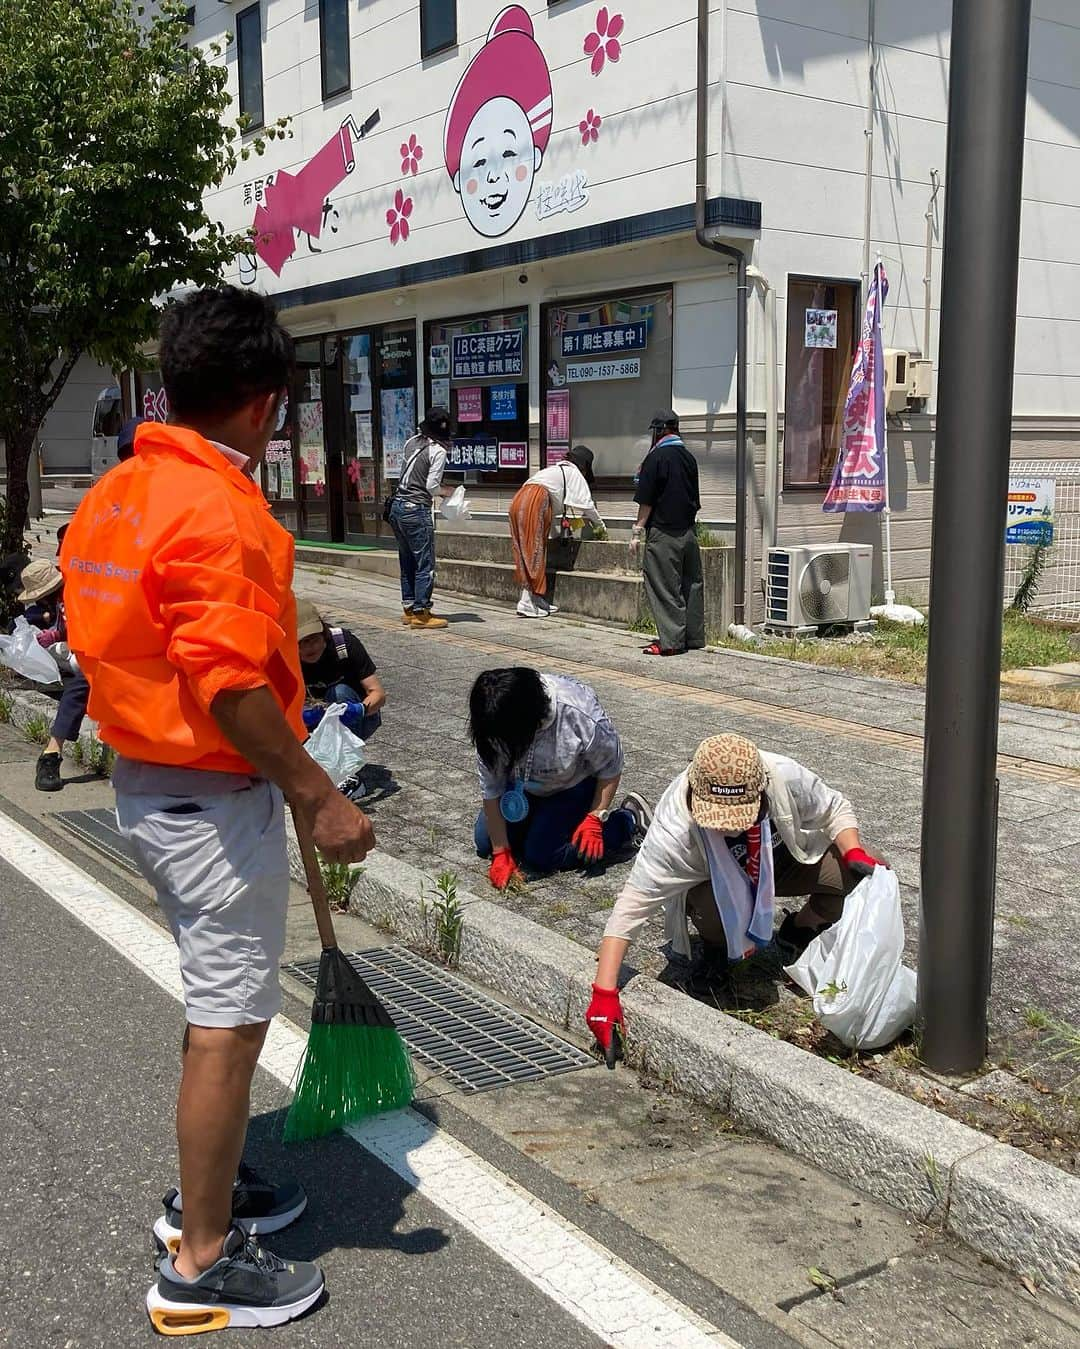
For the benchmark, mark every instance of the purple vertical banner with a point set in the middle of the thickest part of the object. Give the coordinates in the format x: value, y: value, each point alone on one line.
x: 858, y: 482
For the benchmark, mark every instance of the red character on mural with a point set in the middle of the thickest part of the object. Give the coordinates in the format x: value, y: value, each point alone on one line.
x: 296, y: 201
x: 498, y: 125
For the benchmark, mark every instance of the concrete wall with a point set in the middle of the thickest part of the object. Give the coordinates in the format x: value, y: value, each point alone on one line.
x: 66, y: 433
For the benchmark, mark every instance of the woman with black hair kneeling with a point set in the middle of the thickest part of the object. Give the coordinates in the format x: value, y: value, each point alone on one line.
x: 549, y: 761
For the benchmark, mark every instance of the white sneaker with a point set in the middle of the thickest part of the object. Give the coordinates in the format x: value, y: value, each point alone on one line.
x: 530, y: 610
x: 551, y: 608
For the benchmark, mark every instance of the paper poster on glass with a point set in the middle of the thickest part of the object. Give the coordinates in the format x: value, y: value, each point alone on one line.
x: 608, y: 338
x: 312, y: 454
x: 398, y: 407
x: 470, y: 404
x: 285, y: 477
x: 503, y: 402
x: 513, y: 454
x: 473, y: 452
x: 587, y: 372
x: 557, y: 453
x: 440, y: 393
x: 439, y: 359
x: 558, y: 416
x: 365, y: 444
x: 820, y: 328
x: 483, y: 355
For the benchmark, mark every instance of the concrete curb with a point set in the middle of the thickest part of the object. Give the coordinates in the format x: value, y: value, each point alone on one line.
x: 1018, y: 1211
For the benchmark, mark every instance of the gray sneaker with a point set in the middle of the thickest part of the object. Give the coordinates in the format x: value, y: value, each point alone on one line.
x: 642, y: 813
x: 247, y: 1287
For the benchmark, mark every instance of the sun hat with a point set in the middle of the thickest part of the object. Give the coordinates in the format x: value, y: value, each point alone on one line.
x: 39, y: 578
x: 727, y: 778
x: 308, y: 621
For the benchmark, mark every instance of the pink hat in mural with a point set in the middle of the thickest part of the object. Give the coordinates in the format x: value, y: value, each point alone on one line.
x: 498, y: 124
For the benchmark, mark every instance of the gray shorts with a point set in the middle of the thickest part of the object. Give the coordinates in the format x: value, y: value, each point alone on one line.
x: 219, y: 866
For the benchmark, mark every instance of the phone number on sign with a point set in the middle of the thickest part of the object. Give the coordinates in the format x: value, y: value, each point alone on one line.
x: 581, y: 371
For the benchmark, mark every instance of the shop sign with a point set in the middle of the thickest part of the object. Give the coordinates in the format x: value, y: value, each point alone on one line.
x: 1030, y: 516
x: 513, y: 454
x: 582, y: 372
x: 481, y: 355
x: 570, y: 193
x: 612, y: 337
x: 473, y: 452
x: 556, y: 454
x: 470, y: 404
x: 504, y: 402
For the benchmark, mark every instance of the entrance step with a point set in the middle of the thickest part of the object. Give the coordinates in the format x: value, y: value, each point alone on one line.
x: 617, y: 597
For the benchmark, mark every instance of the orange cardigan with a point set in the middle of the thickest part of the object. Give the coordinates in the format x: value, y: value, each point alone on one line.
x: 179, y: 585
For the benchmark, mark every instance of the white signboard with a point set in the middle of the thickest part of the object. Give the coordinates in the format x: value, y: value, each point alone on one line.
x: 582, y: 372
x: 1030, y: 515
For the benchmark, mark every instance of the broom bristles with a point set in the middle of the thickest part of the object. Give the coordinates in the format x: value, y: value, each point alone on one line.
x: 349, y: 1073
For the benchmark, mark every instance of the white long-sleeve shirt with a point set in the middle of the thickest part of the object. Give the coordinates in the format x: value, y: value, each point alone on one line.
x: 565, y: 484
x: 806, y: 812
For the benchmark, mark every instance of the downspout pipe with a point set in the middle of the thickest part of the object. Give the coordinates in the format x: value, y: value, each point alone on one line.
x: 741, y: 304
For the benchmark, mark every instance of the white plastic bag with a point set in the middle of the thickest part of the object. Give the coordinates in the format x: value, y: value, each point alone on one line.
x: 23, y: 653
x: 861, y: 991
x: 334, y: 747
x: 455, y: 508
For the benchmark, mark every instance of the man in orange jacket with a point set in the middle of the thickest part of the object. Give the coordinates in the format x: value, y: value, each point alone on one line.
x: 182, y: 615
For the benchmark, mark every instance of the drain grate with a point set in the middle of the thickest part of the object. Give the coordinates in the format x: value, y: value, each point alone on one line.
x: 451, y: 1028
x: 98, y: 829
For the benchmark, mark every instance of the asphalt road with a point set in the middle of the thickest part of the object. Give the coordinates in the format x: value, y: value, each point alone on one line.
x: 87, y: 1078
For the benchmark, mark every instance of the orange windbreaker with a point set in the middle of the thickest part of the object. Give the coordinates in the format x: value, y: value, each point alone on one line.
x: 179, y: 585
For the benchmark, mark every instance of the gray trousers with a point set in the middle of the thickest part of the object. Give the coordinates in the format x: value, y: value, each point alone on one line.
x: 675, y: 589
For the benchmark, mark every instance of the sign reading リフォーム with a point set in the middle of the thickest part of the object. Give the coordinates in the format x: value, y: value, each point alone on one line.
x: 1030, y: 517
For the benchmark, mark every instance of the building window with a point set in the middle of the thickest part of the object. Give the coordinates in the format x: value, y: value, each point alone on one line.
x: 821, y: 326
x: 606, y: 369
x: 438, y: 26
x: 478, y: 368
x: 249, y: 64
x: 334, y: 39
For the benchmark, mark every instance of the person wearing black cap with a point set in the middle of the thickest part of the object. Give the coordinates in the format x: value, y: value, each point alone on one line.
x: 125, y: 440
x: 668, y: 502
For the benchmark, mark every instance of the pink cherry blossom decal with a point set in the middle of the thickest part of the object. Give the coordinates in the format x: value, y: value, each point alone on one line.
x: 353, y: 471
x: 397, y: 217
x: 320, y: 489
x: 590, y: 127
x: 412, y: 152
x: 603, y: 43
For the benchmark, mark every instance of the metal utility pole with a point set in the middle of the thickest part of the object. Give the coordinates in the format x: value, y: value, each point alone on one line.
x: 987, y: 93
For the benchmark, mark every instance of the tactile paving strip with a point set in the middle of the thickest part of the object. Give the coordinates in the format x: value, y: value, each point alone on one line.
x: 97, y: 828
x: 451, y: 1028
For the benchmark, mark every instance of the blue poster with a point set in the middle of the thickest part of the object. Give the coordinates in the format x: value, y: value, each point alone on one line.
x: 467, y: 453
x: 481, y: 355
x: 504, y: 402
x: 610, y: 337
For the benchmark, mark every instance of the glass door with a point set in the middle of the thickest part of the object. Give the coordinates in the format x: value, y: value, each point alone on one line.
x: 311, y: 441
x: 360, y: 476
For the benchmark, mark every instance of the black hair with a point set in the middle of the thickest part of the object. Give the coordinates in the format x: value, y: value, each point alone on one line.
x: 436, y: 425
x: 506, y: 708
x: 582, y: 459
x: 219, y: 348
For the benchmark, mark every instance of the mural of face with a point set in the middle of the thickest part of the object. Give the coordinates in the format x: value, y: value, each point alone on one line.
x: 498, y: 125
x: 498, y: 164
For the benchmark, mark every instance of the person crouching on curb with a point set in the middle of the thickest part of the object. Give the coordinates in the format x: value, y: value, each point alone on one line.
x: 736, y: 829
x: 550, y: 762
x: 337, y: 669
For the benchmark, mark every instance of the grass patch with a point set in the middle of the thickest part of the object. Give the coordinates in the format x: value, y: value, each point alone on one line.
x: 339, y: 878
x: 98, y: 757
x: 7, y: 702
x: 445, y: 916
x: 895, y: 651
x: 36, y: 729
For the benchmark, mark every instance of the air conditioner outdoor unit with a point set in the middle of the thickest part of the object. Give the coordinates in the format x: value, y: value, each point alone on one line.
x: 813, y: 585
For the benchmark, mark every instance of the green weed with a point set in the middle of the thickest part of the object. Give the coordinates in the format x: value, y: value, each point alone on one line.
x: 36, y: 729
x: 1036, y: 1018
x: 7, y: 702
x: 339, y: 878
x: 99, y: 758
x: 447, y: 918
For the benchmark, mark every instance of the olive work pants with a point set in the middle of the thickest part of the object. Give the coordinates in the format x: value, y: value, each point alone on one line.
x: 675, y: 589
x: 827, y: 882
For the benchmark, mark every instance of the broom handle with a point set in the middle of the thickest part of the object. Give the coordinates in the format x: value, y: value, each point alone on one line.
x: 315, y: 884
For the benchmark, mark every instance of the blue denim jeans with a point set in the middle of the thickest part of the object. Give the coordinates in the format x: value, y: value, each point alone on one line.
x: 542, y: 839
x: 415, y: 536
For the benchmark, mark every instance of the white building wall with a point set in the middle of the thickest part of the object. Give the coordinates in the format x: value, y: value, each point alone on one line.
x: 65, y: 435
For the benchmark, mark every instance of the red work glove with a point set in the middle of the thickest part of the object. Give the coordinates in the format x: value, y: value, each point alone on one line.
x: 605, y: 1019
x: 860, y: 863
x: 588, y: 838
x: 503, y: 869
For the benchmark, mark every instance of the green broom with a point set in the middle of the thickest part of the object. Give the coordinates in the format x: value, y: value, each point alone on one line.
x: 356, y: 1063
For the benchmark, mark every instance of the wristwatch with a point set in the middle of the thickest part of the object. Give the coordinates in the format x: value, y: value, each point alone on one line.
x: 602, y: 815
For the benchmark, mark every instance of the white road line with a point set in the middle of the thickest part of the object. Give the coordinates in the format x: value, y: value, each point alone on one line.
x: 609, y: 1297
